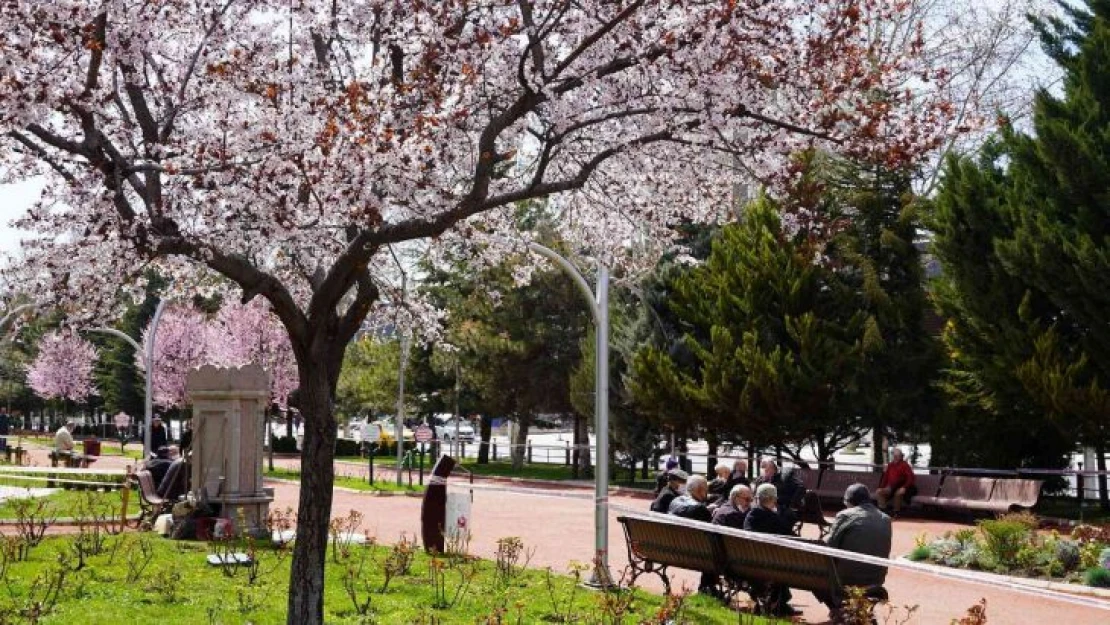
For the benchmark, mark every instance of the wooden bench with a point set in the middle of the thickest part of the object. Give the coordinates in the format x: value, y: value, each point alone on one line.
x: 928, y: 485
x: 150, y: 504
x: 834, y: 483
x: 742, y: 563
x: 962, y: 493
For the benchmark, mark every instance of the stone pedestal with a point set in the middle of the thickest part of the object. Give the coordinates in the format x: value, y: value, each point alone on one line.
x: 228, y: 416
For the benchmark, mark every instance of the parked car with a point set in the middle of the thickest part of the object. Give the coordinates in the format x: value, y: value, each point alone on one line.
x: 445, y: 430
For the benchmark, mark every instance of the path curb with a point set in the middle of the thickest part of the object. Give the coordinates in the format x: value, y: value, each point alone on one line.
x: 344, y: 489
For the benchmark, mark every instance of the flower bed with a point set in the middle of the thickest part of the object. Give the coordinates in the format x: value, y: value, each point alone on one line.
x: 1012, y: 545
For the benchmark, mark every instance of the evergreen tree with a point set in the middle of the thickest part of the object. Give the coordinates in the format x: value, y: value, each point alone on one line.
x: 875, y: 252
x: 1061, y: 239
x: 777, y: 341
x: 991, y: 419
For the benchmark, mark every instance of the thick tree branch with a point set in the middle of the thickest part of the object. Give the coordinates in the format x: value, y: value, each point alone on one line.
x: 41, y: 153
x: 92, y: 77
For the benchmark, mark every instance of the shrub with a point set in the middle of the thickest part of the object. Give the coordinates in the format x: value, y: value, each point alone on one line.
x: 1004, y: 538
x: 1026, y: 518
x: 285, y: 445
x: 919, y: 553
x: 347, y: 447
x: 1067, y: 554
x: 1098, y: 577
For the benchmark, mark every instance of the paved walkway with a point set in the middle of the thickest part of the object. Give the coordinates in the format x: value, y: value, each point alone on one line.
x: 559, y: 525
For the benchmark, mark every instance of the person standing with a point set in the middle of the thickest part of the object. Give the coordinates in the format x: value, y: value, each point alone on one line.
x: 158, y: 436
x: 897, y: 483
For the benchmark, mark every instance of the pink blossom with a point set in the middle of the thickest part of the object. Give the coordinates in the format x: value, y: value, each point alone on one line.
x: 251, y: 334
x: 180, y: 346
x: 63, y: 367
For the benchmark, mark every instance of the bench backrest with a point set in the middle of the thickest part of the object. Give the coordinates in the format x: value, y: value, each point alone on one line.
x: 928, y: 484
x: 967, y: 488
x: 672, y: 545
x: 146, y: 485
x: 1023, y: 493
x: 809, y: 478
x: 747, y: 559
x: 839, y: 481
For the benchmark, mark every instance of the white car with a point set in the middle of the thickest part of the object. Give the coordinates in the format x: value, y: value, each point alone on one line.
x: 445, y: 431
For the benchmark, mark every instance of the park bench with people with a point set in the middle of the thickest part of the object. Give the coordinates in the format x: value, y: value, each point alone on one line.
x: 743, y: 564
x: 944, y: 492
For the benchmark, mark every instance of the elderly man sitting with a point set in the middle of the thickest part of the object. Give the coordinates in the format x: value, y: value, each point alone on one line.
x: 733, y: 512
x: 692, y: 506
x: 765, y: 518
x: 676, y: 480
x: 862, y: 528
x: 63, y: 438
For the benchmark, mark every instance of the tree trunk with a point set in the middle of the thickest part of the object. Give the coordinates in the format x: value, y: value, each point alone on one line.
x: 582, y: 441
x: 518, y: 444
x: 877, y: 444
x: 711, y: 455
x: 1100, y: 462
x: 306, y: 582
x: 485, y: 433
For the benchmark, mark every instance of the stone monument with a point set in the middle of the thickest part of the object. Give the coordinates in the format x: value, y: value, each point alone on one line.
x: 228, y: 416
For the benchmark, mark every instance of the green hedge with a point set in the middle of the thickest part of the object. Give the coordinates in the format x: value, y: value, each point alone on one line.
x: 285, y: 445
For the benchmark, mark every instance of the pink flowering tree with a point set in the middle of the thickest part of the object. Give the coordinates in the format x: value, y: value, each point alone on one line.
x: 63, y: 368
x: 286, y: 148
x: 243, y: 334
x: 181, y: 345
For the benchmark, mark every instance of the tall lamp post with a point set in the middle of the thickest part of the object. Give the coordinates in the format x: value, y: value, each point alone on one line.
x: 599, y: 308
x: 147, y: 352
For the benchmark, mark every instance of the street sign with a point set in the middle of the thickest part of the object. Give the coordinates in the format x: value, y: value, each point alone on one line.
x: 423, y: 434
x: 122, y: 421
x: 370, y: 433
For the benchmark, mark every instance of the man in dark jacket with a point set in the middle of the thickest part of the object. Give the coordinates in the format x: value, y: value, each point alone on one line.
x: 676, y: 479
x: 862, y: 528
x: 158, y: 436
x: 765, y: 518
x: 692, y: 504
x: 733, y: 512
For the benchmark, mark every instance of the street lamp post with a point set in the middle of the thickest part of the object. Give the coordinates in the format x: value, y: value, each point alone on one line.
x: 599, y: 309
x: 147, y: 354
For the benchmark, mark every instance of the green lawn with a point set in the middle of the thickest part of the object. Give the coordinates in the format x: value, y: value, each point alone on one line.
x: 354, y: 483
x: 71, y: 503
x: 173, y: 584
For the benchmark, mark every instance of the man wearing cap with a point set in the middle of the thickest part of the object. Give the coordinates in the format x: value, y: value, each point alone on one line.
x: 861, y: 528
x: 661, y: 479
x: 676, y: 481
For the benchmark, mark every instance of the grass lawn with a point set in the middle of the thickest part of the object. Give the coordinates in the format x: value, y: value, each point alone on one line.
x: 70, y: 503
x: 170, y: 582
x: 354, y: 483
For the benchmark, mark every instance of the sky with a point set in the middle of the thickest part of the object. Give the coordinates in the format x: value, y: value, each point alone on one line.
x: 15, y: 199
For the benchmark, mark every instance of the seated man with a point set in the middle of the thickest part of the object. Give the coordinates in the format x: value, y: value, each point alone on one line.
x: 692, y: 504
x: 765, y: 518
x: 676, y: 481
x: 159, y: 464
x: 661, y: 479
x: 733, y: 512
x: 862, y: 528
x: 720, y: 487
x: 63, y: 438
x: 896, y: 482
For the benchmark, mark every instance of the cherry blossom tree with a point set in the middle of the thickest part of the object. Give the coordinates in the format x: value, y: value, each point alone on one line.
x: 180, y: 345
x: 286, y: 148
x: 243, y: 334
x: 63, y: 368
